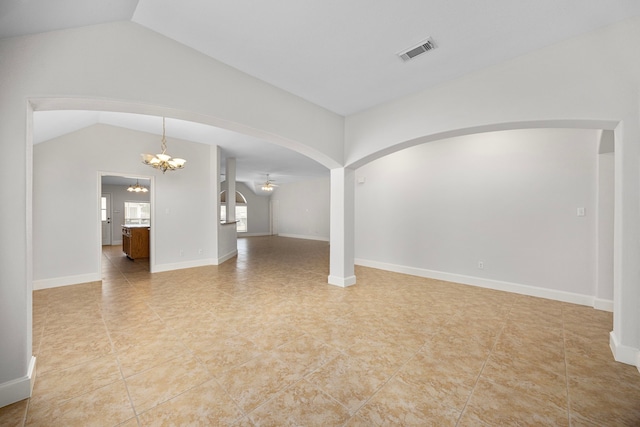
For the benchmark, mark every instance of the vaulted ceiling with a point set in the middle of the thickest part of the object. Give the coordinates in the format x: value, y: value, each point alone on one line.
x: 341, y: 55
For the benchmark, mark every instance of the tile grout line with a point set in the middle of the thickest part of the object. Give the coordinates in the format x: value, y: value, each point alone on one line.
x: 190, y: 351
x: 392, y: 376
x: 302, y: 378
x: 124, y: 380
x: 484, y: 364
x: 115, y: 353
x: 566, y: 368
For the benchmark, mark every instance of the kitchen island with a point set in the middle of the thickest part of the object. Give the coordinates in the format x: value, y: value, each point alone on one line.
x: 135, y: 241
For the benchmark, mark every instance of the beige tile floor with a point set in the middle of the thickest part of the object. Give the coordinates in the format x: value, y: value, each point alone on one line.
x: 262, y: 340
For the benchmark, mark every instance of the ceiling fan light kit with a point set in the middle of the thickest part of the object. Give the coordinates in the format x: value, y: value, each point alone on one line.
x: 163, y: 161
x: 268, y: 185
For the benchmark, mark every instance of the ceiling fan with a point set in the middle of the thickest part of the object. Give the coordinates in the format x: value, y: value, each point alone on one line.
x: 268, y: 184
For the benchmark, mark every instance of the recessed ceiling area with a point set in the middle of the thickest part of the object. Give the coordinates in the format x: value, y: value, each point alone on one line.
x: 254, y: 157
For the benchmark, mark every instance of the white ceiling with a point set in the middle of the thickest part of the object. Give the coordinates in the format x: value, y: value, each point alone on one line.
x: 340, y: 54
x: 254, y: 157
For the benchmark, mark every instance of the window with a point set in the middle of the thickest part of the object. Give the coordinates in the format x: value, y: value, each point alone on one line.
x: 137, y: 213
x: 241, y: 217
x: 103, y: 208
x: 241, y: 211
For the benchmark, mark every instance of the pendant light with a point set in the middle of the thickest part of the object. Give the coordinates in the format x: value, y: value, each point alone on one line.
x: 137, y: 188
x: 163, y: 161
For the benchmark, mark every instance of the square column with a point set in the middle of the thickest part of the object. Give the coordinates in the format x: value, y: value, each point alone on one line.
x: 342, y: 224
x: 230, y: 172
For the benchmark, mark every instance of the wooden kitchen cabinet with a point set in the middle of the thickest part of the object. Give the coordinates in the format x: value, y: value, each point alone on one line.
x: 135, y: 242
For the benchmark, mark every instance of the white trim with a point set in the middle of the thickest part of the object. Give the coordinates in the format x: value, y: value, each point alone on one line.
x: 343, y: 282
x: 243, y: 234
x: 160, y: 268
x: 227, y: 257
x: 65, y: 281
x: 31, y: 373
x: 20, y: 388
x: 303, y: 236
x: 623, y: 353
x: 152, y: 231
x: 484, y: 283
x: 603, y: 304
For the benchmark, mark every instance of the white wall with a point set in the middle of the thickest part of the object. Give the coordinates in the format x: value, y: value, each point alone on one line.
x: 605, y: 217
x: 258, y: 218
x: 119, y: 195
x: 303, y: 209
x: 507, y: 199
x: 66, y: 240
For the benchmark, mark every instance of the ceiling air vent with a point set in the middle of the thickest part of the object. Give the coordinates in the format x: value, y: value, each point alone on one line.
x: 422, y: 47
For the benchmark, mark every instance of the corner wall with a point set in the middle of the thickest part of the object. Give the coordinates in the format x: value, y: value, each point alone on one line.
x: 303, y: 209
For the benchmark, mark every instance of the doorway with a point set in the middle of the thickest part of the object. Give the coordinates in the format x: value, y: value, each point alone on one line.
x: 117, y: 192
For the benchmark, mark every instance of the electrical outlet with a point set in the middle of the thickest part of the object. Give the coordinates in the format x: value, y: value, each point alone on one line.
x: 199, y: 251
x: 481, y: 265
x: 181, y: 252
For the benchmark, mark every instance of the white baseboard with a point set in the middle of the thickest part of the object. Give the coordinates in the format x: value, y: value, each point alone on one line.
x: 343, y: 282
x: 492, y: 284
x: 603, y: 304
x: 65, y: 281
x: 253, y: 234
x: 227, y: 257
x: 305, y: 237
x: 160, y: 268
x: 623, y: 353
x: 20, y: 388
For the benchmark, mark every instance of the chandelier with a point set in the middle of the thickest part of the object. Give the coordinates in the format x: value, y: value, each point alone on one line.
x: 137, y: 188
x: 163, y: 161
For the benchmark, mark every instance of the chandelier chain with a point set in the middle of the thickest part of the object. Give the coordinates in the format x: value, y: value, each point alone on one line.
x: 163, y: 146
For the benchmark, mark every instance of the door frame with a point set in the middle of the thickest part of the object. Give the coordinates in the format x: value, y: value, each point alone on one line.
x: 152, y: 199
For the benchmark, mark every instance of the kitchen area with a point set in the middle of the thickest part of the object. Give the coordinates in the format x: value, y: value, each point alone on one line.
x: 126, y: 219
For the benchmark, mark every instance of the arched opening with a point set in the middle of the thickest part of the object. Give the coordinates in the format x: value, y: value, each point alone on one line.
x: 503, y: 209
x: 241, y: 211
